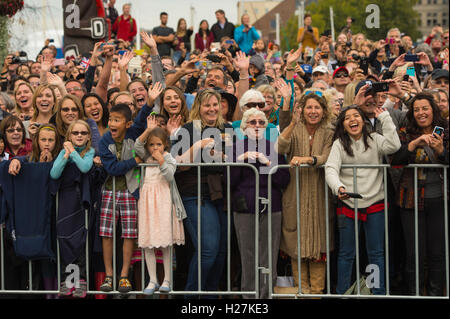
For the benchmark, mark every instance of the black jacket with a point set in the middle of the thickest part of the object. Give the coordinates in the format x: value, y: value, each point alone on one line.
x: 219, y: 33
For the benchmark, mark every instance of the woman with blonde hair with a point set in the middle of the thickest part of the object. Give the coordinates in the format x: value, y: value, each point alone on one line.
x: 23, y: 95
x: 205, y: 122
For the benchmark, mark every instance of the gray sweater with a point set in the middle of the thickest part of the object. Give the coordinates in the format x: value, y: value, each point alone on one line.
x: 369, y: 181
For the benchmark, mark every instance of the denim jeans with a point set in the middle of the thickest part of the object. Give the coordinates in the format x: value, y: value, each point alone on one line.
x: 374, y: 233
x: 213, y: 242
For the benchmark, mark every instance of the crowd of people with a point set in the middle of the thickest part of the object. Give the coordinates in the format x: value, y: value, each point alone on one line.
x: 81, y: 132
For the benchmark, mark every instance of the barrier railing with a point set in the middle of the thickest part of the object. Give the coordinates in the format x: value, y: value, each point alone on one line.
x: 199, y: 235
x: 259, y: 269
x: 357, y: 259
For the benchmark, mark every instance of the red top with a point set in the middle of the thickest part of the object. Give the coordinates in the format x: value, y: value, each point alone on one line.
x: 199, y: 41
x: 124, y: 28
x: 23, y: 151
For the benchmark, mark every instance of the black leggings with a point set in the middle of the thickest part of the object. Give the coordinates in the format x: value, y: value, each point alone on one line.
x: 431, y: 236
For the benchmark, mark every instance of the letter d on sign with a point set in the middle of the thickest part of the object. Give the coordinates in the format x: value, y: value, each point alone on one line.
x: 73, y: 279
x: 373, y: 19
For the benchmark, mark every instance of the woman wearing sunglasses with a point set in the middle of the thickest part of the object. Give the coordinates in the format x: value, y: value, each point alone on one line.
x: 307, y: 140
x: 16, y: 144
x: 70, y: 110
x: 260, y: 152
x: 254, y: 99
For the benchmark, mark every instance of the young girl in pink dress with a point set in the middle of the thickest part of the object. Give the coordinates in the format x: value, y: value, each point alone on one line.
x: 160, y: 209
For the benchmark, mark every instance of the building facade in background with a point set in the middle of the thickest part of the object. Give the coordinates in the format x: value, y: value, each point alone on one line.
x: 431, y: 13
x: 255, y: 9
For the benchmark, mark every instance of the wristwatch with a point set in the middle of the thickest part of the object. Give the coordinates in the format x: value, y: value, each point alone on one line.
x: 314, y: 160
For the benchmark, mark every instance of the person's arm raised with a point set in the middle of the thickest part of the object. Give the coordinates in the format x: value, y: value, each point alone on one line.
x: 242, y: 62
x: 123, y: 65
x: 102, y: 86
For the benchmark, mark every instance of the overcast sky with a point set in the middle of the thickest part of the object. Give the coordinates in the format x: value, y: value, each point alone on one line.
x: 32, y: 26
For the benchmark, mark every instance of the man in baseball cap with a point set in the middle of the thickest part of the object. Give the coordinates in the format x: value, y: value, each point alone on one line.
x: 439, y: 79
x: 341, y: 78
x: 321, y: 73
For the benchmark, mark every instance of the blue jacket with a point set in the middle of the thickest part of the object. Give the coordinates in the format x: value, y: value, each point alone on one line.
x: 245, y: 39
x: 125, y: 167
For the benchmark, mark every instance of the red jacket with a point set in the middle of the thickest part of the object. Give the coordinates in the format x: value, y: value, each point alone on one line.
x: 23, y: 151
x: 125, y: 28
x: 199, y: 41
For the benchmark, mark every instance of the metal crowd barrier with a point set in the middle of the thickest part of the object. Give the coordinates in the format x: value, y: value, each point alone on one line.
x: 328, y: 294
x: 143, y: 267
x: 259, y: 269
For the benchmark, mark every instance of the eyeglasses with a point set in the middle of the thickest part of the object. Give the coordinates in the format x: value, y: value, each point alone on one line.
x: 256, y: 104
x: 340, y: 75
x: 83, y: 133
x: 254, y: 122
x: 340, y: 101
x: 74, y: 90
x: 319, y: 93
x: 67, y: 109
x: 12, y: 130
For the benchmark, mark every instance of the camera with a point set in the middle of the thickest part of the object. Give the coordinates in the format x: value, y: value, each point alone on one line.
x: 213, y: 58
x: 363, y: 62
x: 15, y: 60
x: 310, y: 29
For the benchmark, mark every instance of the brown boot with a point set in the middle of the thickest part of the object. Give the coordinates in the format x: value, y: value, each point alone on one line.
x: 306, y: 273
x: 317, y: 276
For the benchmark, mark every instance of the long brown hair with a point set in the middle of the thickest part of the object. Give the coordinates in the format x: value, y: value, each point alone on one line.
x: 36, y: 152
x: 341, y: 134
x: 184, y: 111
x: 60, y: 125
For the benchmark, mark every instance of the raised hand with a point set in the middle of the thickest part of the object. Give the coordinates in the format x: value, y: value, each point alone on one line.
x: 148, y: 39
x: 283, y: 87
x: 378, y: 111
x: 173, y: 123
x: 242, y: 62
x: 155, y: 91
x: 151, y: 122
x: 124, y: 60
x: 293, y: 56
x: 46, y: 65
x: 54, y: 79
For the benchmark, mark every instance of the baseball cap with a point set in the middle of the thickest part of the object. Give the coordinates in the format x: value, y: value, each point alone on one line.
x: 439, y: 73
x: 321, y: 69
x: 341, y: 68
x: 307, y: 68
x: 361, y: 84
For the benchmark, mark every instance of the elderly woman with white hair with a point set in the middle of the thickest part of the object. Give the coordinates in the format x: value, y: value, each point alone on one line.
x: 254, y: 99
x: 260, y: 152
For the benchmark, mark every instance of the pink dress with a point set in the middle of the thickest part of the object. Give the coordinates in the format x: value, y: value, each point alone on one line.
x: 155, y: 213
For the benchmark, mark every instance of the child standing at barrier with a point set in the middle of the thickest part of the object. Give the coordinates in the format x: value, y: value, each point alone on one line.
x: 70, y: 225
x: 161, y: 210
x: 354, y: 145
x: 118, y: 159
